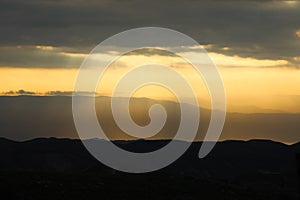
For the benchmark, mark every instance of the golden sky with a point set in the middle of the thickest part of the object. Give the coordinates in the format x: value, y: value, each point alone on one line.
x: 252, y: 85
x: 255, y: 45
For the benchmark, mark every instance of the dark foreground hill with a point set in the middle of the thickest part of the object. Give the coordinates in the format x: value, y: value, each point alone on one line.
x: 63, y: 169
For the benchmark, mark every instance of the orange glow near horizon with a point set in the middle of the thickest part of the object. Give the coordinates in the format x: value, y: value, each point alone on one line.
x: 270, y: 86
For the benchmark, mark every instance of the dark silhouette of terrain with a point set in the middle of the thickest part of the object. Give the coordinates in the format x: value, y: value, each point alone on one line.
x: 63, y: 169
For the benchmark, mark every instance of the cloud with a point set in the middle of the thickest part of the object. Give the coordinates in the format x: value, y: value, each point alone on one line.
x: 298, y: 33
x: 69, y: 93
x: 38, y: 57
x: 236, y: 61
x: 49, y: 93
x: 256, y: 29
x: 20, y: 92
x: 60, y: 93
x: 152, y: 52
x: 58, y: 57
x: 24, y: 92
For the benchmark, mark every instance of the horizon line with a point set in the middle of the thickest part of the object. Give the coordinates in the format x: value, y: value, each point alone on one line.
x: 149, y: 140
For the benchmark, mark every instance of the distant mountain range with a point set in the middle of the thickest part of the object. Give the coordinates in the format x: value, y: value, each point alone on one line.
x: 27, y: 117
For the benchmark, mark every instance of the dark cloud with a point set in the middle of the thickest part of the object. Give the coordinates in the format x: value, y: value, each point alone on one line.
x: 60, y: 93
x: 38, y: 57
x: 259, y: 29
x: 20, y: 92
x: 49, y: 93
x: 69, y: 93
x: 24, y: 92
x: 152, y: 52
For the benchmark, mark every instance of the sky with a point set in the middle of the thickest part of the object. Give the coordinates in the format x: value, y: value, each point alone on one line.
x: 254, y: 43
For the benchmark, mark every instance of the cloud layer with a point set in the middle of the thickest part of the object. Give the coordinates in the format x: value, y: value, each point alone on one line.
x: 256, y: 29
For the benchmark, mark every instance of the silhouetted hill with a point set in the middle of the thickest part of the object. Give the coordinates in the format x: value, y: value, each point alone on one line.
x: 255, y: 165
x: 228, y: 159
